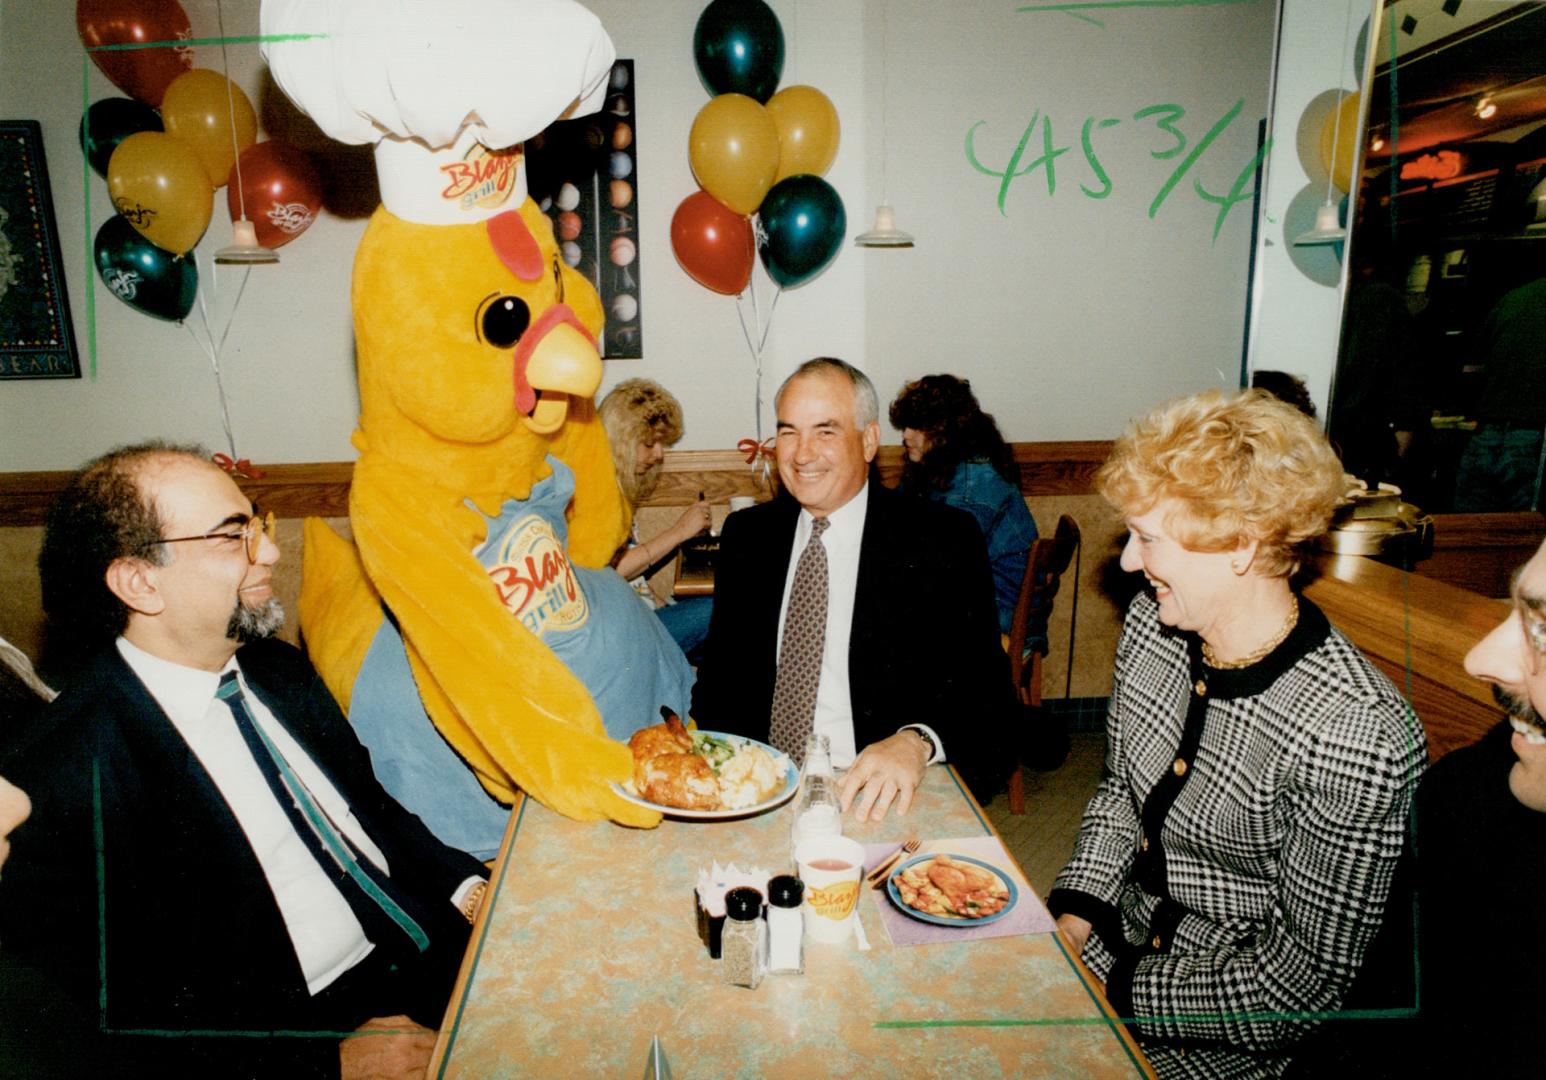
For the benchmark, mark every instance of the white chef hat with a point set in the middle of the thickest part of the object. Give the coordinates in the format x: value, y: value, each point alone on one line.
x: 445, y: 89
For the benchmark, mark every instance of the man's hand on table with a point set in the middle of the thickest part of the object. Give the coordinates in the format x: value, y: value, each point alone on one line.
x: 402, y: 1055
x: 885, y: 772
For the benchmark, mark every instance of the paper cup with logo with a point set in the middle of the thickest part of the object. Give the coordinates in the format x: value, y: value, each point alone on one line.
x: 831, y: 867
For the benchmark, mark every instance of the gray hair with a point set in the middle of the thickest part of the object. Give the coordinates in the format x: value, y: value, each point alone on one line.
x: 866, y: 403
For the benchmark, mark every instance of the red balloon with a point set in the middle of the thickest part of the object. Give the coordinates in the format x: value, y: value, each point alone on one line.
x: 140, y: 73
x: 281, y: 188
x: 713, y: 243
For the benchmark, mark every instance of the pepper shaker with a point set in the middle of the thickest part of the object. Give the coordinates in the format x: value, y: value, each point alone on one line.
x: 786, y: 925
x: 744, y: 941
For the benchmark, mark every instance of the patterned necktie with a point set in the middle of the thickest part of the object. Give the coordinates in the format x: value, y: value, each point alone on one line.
x: 360, y: 881
x: 799, y: 660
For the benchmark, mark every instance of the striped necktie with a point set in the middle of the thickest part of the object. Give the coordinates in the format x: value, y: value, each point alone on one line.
x: 361, y: 882
x: 799, y: 657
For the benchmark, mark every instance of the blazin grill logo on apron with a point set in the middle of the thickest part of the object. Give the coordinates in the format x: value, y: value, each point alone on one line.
x: 535, y: 581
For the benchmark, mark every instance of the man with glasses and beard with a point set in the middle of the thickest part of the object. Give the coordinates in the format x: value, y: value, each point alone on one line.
x: 1480, y: 841
x: 209, y: 854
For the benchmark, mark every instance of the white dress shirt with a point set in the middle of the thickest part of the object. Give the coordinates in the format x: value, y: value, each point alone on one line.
x: 834, y: 701
x: 328, y: 939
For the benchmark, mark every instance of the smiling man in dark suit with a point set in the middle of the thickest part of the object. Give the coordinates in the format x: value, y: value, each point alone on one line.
x: 854, y: 611
x: 209, y: 854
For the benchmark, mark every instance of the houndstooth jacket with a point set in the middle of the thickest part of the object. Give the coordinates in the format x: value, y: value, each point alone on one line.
x: 1235, y: 860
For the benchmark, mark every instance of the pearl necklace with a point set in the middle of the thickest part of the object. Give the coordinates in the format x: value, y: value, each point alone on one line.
x: 1212, y: 660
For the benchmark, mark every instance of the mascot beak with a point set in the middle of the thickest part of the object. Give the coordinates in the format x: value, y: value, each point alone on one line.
x: 564, y: 364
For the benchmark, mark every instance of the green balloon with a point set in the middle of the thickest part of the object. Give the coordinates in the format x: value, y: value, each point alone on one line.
x: 739, y: 47
x: 142, y: 275
x: 804, y: 222
x: 108, y: 122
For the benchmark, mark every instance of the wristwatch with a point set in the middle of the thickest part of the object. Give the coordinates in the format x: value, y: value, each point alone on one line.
x: 935, y: 752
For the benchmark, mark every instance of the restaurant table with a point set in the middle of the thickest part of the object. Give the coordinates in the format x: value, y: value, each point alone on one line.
x: 588, y: 947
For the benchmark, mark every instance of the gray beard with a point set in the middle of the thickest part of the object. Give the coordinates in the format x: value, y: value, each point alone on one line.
x: 255, y: 623
x: 1518, y: 707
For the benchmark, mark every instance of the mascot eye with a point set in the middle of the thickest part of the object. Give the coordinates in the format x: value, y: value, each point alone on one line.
x: 504, y: 320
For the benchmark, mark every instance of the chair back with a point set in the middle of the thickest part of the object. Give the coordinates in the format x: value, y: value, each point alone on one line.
x: 1045, y: 564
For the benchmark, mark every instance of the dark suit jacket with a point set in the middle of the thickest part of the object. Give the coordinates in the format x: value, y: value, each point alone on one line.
x: 924, y: 646
x: 168, y: 897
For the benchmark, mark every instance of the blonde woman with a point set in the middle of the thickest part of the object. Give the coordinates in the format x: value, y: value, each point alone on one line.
x: 1234, y: 863
x: 643, y: 419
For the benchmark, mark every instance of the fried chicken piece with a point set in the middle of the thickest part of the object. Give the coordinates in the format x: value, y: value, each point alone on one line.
x: 667, y: 770
x: 968, y: 890
x: 652, y: 742
x: 684, y: 781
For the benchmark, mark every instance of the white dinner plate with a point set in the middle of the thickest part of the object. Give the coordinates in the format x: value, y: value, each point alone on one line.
x: 783, y: 795
x: 951, y: 920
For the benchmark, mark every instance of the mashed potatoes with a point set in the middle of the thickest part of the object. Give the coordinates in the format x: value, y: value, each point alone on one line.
x: 750, y: 776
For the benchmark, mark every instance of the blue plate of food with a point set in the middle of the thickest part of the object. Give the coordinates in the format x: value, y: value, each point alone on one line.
x: 951, y: 890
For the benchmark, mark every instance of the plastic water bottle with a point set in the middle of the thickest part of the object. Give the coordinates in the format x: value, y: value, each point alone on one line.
x: 816, y: 809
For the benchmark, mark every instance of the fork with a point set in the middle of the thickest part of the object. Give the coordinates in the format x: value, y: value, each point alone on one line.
x: 877, y: 876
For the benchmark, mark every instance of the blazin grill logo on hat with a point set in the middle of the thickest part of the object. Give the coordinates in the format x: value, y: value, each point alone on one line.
x: 535, y: 580
x: 484, y: 178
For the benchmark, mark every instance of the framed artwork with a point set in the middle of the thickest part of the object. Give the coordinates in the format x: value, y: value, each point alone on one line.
x: 37, y: 340
x: 582, y: 174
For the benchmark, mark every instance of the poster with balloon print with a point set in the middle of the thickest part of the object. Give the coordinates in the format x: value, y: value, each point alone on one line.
x: 582, y: 174
x: 37, y: 339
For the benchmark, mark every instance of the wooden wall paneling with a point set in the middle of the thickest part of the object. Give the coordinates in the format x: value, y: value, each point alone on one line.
x: 1417, y: 631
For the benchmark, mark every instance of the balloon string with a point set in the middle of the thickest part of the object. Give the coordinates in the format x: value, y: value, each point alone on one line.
x: 768, y: 326
x: 751, y: 347
x: 214, y: 363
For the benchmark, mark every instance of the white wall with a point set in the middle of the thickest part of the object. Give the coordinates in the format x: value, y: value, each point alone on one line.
x: 1068, y: 313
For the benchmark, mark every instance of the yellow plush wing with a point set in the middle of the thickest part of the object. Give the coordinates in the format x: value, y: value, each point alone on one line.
x: 599, y: 518
x: 339, y: 610
x: 518, y: 715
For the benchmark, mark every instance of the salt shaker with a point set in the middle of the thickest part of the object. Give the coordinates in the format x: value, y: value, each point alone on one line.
x: 786, y: 925
x: 817, y: 810
x: 744, y: 942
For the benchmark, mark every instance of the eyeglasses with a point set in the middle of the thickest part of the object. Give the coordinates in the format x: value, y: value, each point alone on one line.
x: 252, y: 533
x: 1534, y: 638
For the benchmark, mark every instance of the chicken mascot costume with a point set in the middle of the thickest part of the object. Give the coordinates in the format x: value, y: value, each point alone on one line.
x: 473, y: 631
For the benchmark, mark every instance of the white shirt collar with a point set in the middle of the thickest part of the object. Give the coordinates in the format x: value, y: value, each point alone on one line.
x: 183, y: 692
x: 846, y: 525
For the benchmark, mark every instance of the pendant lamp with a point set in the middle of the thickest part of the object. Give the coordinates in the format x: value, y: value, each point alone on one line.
x: 885, y: 234
x: 1327, y: 229
x: 244, y: 249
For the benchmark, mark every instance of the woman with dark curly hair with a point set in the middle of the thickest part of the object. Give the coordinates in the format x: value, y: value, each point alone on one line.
x: 955, y: 455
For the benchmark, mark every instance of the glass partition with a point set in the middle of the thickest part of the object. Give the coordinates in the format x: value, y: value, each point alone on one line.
x: 1441, y: 373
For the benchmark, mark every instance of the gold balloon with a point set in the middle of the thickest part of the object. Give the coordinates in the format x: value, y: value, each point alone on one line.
x: 733, y: 149
x: 1341, y: 126
x: 808, y: 130
x: 197, y: 110
x: 159, y: 186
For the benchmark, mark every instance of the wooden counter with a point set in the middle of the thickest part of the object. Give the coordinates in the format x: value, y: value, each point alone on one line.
x: 1417, y: 630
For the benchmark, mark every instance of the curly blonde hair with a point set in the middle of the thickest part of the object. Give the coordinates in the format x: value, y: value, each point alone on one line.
x: 635, y: 412
x: 1242, y: 467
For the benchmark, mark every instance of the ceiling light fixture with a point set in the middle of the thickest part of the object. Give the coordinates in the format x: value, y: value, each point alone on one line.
x: 244, y: 249
x: 885, y: 234
x: 1327, y: 229
x: 1486, y: 108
